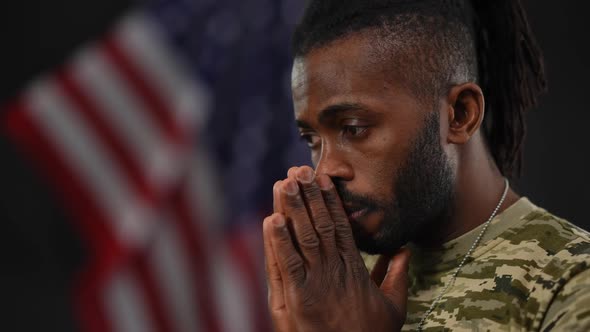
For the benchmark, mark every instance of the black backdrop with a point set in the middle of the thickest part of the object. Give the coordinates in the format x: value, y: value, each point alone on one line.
x: 557, y: 164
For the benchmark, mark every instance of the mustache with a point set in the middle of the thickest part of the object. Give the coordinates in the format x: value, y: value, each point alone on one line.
x: 353, y: 201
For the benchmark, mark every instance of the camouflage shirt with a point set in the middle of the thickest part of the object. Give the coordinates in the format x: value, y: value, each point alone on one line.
x: 530, y: 272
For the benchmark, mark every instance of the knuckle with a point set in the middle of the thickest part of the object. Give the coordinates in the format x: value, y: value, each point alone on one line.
x: 330, y: 198
x: 312, y: 193
x: 308, y: 302
x: 324, y: 226
x: 295, y: 202
x: 343, y: 228
x: 357, y: 271
x: 309, y: 241
x: 294, y: 267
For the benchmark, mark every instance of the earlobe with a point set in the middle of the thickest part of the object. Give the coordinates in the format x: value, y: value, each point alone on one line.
x: 466, y: 110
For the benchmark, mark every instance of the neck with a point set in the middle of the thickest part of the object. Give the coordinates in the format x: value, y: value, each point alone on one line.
x: 478, y: 189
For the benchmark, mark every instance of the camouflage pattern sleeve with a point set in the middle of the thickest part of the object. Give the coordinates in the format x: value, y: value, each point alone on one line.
x: 570, y: 309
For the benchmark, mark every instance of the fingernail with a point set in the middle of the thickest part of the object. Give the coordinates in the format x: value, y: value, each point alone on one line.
x: 291, y: 187
x: 324, y: 182
x: 291, y: 171
x: 277, y: 184
x: 305, y: 175
x: 278, y: 221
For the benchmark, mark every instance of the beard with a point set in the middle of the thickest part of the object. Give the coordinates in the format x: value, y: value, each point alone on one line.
x: 422, y: 199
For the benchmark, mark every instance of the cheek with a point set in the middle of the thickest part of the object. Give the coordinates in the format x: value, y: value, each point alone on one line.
x: 376, y: 167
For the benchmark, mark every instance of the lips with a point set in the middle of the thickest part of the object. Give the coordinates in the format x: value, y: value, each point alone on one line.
x: 358, y: 214
x: 355, y: 212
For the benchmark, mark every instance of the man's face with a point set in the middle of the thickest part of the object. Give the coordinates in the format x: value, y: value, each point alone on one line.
x: 379, y: 143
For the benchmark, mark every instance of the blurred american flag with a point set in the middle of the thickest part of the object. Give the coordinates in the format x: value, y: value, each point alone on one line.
x: 162, y: 140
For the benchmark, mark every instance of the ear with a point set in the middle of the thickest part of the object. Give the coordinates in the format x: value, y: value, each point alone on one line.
x: 465, y: 111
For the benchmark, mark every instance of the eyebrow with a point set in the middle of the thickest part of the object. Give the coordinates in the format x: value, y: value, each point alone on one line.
x: 302, y: 124
x: 332, y: 111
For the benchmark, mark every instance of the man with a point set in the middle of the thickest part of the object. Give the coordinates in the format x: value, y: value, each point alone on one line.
x: 414, y: 115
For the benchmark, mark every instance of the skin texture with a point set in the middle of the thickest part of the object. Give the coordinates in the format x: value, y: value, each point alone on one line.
x: 362, y: 124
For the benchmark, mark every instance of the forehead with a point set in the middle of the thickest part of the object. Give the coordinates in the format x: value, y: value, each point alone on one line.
x: 349, y: 70
x: 334, y: 65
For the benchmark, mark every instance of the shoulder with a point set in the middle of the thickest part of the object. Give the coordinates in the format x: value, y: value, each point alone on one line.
x: 561, y: 285
x: 570, y: 308
x: 559, y: 239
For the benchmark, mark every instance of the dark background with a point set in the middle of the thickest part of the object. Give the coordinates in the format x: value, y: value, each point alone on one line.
x: 37, y: 35
x: 556, y: 174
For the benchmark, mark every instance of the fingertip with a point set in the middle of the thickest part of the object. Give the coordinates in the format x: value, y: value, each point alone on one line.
x: 277, y: 184
x: 324, y: 182
x: 400, y: 260
x: 290, y: 187
x: 405, y: 252
x: 278, y: 220
x: 305, y: 174
x: 292, y: 171
x: 266, y: 223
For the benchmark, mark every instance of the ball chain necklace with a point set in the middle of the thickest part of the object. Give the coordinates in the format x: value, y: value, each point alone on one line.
x: 467, y: 255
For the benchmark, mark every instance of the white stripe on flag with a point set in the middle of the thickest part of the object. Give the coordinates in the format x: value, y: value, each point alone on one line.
x: 126, y: 113
x: 74, y: 140
x: 170, y: 266
x: 231, y: 292
x: 125, y: 305
x: 143, y: 41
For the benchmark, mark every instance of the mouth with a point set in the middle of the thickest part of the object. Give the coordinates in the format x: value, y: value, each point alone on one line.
x: 356, y: 214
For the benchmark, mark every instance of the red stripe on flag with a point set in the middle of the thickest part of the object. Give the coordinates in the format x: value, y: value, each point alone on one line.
x: 79, y: 200
x: 191, y: 234
x: 153, y: 293
x: 245, y: 260
x: 105, y: 250
x: 112, y: 140
x: 161, y: 112
x: 122, y: 155
x: 105, y: 253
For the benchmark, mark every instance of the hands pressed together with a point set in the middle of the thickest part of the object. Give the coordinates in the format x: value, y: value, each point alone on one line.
x: 317, y: 279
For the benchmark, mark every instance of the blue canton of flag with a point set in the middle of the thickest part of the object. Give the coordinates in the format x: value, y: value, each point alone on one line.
x: 241, y: 51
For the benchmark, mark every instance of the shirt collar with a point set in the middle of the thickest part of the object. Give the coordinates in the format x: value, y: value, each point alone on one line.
x: 450, y: 254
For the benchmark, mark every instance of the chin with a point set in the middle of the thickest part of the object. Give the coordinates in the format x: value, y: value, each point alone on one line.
x: 383, y: 242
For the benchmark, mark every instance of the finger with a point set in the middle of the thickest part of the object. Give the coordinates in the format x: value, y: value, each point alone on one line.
x: 304, y: 233
x: 395, y: 283
x: 291, y: 172
x: 276, y: 194
x: 276, y: 298
x: 277, y: 204
x: 344, y: 239
x: 320, y: 216
x: 380, y: 269
x: 290, y: 263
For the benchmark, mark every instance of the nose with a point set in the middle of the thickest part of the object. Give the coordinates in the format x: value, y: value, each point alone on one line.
x: 334, y: 163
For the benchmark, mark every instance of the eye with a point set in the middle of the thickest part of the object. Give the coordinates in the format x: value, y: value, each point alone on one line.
x: 353, y: 131
x: 313, y: 141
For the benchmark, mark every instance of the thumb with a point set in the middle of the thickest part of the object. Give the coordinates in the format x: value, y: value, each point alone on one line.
x: 395, y: 283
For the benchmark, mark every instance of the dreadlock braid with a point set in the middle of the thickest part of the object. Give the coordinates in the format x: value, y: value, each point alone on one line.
x: 511, y: 75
